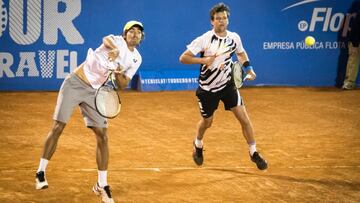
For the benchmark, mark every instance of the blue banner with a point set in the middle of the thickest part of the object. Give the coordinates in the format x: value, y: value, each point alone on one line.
x: 42, y: 41
x: 168, y: 79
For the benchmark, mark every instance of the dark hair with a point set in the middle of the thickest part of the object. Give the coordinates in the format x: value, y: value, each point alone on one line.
x: 220, y: 7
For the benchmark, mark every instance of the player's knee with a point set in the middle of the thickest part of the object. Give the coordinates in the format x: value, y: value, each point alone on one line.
x: 208, y: 122
x: 101, y: 135
x: 57, y: 129
x: 102, y: 140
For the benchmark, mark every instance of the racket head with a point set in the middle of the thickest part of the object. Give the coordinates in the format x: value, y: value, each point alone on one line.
x: 238, y: 74
x: 107, y: 101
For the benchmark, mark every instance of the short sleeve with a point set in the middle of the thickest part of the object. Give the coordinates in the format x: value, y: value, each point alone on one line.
x: 196, y: 45
x: 119, y: 42
x: 239, y: 45
x: 131, y: 72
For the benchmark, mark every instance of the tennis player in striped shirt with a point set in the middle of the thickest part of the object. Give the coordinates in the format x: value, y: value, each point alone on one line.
x: 215, y: 49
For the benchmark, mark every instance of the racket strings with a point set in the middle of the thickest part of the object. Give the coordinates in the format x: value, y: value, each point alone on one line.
x: 238, y: 74
x: 107, y: 102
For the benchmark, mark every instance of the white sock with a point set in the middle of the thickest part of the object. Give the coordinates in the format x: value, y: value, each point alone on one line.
x: 198, y: 143
x: 102, y: 178
x: 252, y: 148
x: 43, y: 164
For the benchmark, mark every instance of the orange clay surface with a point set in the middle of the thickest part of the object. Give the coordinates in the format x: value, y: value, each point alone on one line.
x: 309, y: 136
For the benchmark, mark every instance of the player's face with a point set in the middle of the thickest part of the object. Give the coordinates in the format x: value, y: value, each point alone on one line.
x: 220, y: 22
x: 133, y: 36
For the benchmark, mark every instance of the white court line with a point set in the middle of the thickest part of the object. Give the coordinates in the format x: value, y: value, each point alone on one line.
x: 170, y: 168
x: 214, y: 168
x: 159, y: 169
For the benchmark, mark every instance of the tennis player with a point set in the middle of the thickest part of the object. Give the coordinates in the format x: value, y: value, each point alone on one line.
x: 78, y: 89
x: 215, y: 80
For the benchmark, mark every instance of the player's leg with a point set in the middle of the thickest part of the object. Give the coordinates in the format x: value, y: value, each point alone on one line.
x: 102, y: 188
x: 102, y: 151
x: 233, y: 101
x: 64, y: 107
x: 52, y: 139
x: 352, y: 67
x: 246, y: 125
x: 202, y: 125
x: 49, y: 149
x: 98, y: 124
x: 248, y: 132
x: 208, y: 103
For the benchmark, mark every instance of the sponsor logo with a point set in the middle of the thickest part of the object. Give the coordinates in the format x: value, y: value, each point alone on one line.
x: 323, y: 18
x: 32, y: 21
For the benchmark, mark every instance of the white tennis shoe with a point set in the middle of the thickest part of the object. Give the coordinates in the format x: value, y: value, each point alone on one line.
x: 40, y: 181
x: 104, y: 192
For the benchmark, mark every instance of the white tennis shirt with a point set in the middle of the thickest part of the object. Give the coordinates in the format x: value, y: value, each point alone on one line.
x: 97, y: 65
x: 216, y: 77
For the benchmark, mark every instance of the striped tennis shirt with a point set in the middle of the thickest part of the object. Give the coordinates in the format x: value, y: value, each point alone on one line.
x: 218, y: 75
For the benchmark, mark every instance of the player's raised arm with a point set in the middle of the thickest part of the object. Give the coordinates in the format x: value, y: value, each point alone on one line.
x: 109, y: 43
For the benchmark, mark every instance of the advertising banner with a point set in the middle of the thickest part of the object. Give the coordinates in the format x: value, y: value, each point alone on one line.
x: 42, y: 41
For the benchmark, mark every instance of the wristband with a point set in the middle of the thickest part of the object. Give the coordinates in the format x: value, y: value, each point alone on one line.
x: 247, y: 66
x: 246, y: 63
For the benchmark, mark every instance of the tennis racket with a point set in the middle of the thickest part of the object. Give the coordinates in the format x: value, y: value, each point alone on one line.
x: 238, y: 74
x: 107, y: 99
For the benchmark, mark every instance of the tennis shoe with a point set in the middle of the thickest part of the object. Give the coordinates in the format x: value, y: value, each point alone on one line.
x: 198, y: 155
x: 348, y: 86
x: 345, y: 87
x: 260, y: 162
x: 104, y: 192
x: 40, y: 181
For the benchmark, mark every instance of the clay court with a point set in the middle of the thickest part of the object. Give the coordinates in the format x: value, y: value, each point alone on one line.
x: 309, y: 136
